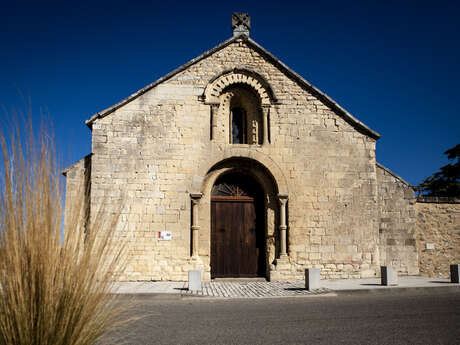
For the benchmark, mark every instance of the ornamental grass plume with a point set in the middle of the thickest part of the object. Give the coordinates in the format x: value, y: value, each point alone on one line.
x: 54, y: 285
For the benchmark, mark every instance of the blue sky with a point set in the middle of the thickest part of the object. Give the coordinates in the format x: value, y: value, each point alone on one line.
x: 394, y: 65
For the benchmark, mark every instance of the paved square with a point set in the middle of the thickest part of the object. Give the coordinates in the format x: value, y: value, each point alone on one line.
x: 254, y: 289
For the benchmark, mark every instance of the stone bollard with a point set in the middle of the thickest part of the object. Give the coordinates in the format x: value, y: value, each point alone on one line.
x: 454, y: 273
x: 389, y: 275
x: 312, y: 278
x: 194, y: 280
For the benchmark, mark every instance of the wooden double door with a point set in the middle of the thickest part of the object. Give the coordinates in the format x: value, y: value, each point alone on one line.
x: 237, y: 229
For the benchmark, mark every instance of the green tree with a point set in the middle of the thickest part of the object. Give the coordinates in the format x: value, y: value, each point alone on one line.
x: 445, y: 182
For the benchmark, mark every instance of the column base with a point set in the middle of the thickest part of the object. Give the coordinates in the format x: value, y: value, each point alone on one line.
x: 197, y: 263
x: 282, y: 269
x: 196, y: 260
x: 283, y: 263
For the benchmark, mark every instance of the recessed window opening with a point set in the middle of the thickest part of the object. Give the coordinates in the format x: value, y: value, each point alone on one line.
x: 239, y: 126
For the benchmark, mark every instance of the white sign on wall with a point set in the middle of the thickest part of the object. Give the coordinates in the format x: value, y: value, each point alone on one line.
x: 430, y: 246
x: 164, y: 236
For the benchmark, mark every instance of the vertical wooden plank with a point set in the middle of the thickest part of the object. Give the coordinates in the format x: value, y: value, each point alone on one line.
x: 214, y: 241
x: 244, y: 240
x: 224, y: 233
x: 242, y: 253
x: 234, y: 251
x: 225, y: 215
x: 253, y: 230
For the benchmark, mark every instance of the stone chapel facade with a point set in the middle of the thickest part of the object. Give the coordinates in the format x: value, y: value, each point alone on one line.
x: 251, y: 170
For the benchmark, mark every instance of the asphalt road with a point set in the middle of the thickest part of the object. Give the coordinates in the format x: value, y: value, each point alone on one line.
x: 414, y: 317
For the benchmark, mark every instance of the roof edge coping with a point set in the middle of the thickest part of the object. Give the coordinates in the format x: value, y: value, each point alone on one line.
x: 70, y: 167
x: 394, y: 174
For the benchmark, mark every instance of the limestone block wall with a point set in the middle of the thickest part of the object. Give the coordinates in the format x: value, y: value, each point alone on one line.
x: 438, y: 235
x: 397, y: 223
x: 156, y: 150
x: 146, y: 152
x: 77, y: 190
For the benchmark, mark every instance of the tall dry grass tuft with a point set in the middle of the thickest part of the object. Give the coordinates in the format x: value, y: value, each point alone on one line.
x: 54, y: 286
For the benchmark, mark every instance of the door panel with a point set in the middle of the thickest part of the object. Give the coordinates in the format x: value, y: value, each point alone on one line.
x: 234, y: 250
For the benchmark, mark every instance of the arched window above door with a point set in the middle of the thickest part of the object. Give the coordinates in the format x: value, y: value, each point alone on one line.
x: 245, y: 115
x: 232, y: 91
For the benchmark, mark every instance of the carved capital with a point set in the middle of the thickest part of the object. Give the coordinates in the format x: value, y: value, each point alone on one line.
x: 196, y: 196
x: 283, y: 198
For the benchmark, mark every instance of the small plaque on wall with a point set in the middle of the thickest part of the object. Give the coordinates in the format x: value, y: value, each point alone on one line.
x: 430, y: 246
x: 164, y: 236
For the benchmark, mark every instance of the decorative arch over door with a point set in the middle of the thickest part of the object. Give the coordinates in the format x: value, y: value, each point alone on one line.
x: 237, y: 227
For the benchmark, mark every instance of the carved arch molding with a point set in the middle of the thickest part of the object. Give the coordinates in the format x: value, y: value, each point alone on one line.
x: 214, y: 88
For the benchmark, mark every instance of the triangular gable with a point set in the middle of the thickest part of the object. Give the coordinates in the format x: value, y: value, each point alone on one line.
x: 74, y: 165
x: 396, y: 176
x: 270, y: 57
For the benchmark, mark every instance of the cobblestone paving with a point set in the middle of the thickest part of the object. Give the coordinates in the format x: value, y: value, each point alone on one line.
x: 254, y: 289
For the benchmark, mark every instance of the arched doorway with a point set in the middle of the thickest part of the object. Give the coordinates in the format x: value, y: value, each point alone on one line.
x: 237, y: 227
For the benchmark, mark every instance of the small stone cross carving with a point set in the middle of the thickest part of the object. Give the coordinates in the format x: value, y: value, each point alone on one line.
x: 241, y: 24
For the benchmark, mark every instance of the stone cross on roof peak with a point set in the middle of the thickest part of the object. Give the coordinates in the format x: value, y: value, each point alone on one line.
x: 241, y: 24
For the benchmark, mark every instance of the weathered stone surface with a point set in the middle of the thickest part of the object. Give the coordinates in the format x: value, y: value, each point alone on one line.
x: 346, y: 215
x: 438, y: 227
x: 77, y: 192
x: 158, y: 149
x: 397, y: 234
